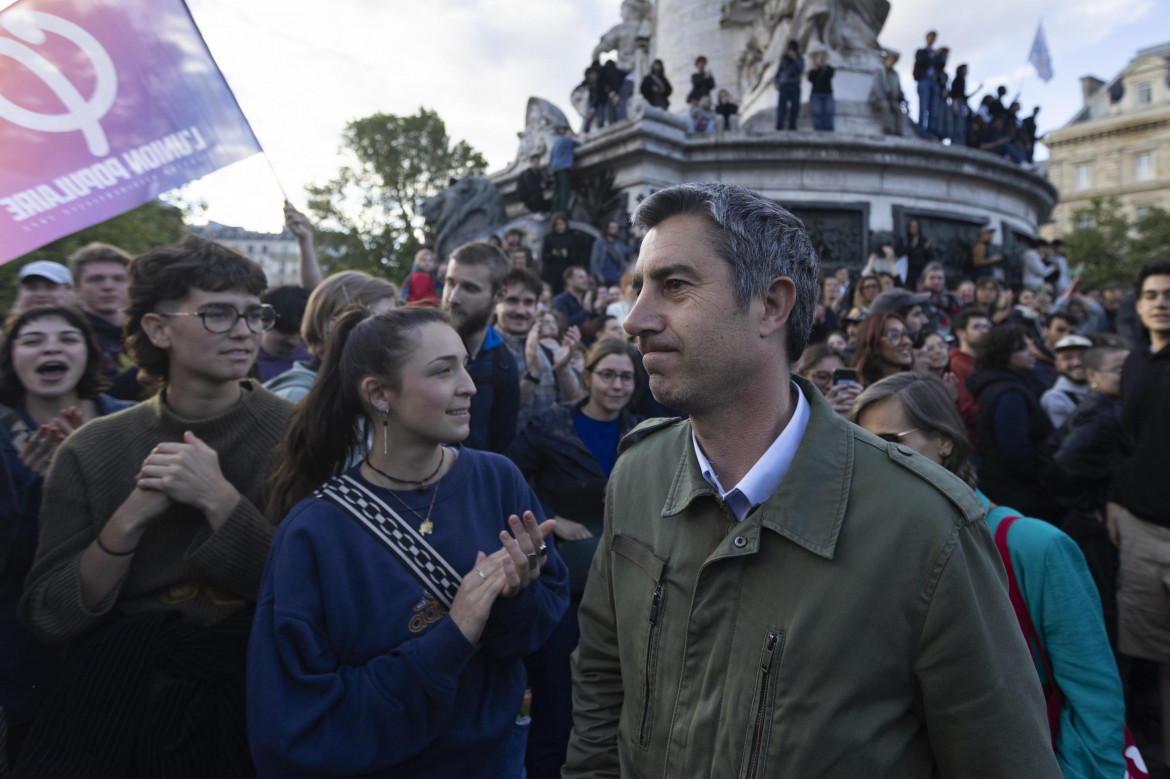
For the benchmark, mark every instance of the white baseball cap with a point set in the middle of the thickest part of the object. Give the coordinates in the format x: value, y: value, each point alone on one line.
x: 53, y: 271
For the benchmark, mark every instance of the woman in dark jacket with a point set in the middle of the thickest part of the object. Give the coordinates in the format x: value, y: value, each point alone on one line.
x: 656, y: 87
x: 558, y: 251
x: 50, y: 377
x: 1011, y: 426
x: 567, y: 454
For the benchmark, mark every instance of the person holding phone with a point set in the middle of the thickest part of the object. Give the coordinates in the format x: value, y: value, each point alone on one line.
x: 826, y: 368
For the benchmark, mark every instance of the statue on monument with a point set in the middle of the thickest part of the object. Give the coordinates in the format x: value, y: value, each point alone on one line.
x: 465, y: 211
x: 846, y: 29
x: 624, y: 38
x: 630, y: 40
x: 541, y: 120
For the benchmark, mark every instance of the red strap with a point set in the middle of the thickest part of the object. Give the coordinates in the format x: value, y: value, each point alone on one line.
x: 1053, y: 694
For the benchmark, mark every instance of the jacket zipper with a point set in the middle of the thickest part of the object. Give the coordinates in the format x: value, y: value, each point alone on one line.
x: 644, y: 729
x: 769, y: 653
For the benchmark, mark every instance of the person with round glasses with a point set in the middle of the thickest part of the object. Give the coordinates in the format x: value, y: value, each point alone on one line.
x: 882, y: 348
x: 153, y: 534
x: 567, y: 454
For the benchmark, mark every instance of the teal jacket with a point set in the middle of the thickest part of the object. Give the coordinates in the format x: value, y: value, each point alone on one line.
x: 1066, y: 610
x: 855, y: 624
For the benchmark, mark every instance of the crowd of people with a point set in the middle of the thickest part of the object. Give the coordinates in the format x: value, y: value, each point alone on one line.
x: 352, y: 528
x: 944, y: 110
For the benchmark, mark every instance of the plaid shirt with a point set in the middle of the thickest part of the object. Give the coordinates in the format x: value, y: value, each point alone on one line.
x: 546, y: 394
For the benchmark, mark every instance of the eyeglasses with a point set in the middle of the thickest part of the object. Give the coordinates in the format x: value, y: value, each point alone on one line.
x: 980, y: 327
x: 894, y: 438
x: 220, y: 318
x: 823, y: 377
x: 609, y: 376
x: 894, y: 336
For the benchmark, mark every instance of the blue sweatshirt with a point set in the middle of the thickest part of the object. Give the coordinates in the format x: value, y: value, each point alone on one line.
x: 354, y: 670
x: 1066, y: 611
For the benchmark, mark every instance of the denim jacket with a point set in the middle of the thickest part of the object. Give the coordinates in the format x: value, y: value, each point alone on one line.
x: 854, y: 624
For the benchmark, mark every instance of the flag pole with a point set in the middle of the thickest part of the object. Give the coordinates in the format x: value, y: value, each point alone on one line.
x: 275, y: 176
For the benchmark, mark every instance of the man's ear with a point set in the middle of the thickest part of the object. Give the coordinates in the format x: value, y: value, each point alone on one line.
x: 779, y: 301
x: 157, y: 329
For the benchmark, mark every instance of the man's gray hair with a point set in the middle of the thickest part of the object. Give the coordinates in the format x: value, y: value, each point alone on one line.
x: 759, y: 239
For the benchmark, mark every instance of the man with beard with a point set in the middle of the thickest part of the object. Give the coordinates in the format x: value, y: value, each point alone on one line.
x: 545, y: 376
x: 971, y: 326
x: 475, y: 275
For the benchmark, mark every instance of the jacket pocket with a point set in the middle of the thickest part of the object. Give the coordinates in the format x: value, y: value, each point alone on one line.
x: 645, y: 558
x: 769, y: 663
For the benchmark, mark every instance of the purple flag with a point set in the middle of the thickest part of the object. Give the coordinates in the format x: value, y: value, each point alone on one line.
x: 104, y: 105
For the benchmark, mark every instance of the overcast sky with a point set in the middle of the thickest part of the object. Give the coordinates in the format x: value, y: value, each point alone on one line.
x: 301, y: 69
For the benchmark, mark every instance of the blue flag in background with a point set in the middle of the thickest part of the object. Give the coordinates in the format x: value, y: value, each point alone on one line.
x: 1039, y: 57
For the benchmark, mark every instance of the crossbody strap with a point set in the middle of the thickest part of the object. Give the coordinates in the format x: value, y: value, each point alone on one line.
x: 1022, y: 615
x: 396, y: 534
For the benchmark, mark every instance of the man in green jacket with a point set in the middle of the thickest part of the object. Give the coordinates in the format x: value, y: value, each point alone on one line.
x: 778, y: 592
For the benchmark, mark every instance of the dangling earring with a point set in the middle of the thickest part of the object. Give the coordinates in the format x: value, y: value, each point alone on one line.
x: 385, y: 425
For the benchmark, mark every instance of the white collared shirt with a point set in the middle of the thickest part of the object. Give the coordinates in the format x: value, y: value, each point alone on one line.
x: 768, y: 472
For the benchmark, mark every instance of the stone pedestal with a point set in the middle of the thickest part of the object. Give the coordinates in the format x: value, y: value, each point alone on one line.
x: 851, y: 189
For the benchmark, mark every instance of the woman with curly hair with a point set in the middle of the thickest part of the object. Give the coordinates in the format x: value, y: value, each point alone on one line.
x: 882, y: 348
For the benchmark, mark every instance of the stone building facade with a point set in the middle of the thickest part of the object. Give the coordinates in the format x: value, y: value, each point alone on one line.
x: 276, y: 253
x: 1118, y: 144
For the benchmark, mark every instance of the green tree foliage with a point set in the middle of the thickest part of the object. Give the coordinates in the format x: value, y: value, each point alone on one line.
x: 370, y: 215
x: 151, y: 224
x: 1111, y: 247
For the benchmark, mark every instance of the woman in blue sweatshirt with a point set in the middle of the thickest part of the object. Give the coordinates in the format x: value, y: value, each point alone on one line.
x: 365, y: 661
x: 917, y: 411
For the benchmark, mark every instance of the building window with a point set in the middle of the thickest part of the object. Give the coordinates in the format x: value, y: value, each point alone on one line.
x: 1141, y: 212
x: 1082, y: 221
x: 1083, y: 179
x: 1143, y: 167
x: 1145, y: 93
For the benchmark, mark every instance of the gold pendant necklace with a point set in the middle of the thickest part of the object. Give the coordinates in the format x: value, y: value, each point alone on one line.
x: 426, y: 527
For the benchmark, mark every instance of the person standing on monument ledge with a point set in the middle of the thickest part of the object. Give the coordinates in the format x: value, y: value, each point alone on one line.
x: 839, y: 608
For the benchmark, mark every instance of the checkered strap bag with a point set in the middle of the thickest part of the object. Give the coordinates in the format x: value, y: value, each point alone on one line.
x: 396, y: 534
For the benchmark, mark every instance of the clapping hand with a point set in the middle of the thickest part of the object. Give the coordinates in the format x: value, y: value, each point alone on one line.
x: 565, y: 352
x: 189, y: 473
x: 523, y: 551
x: 38, y: 452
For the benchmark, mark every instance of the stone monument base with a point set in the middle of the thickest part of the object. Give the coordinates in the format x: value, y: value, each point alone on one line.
x: 851, y: 188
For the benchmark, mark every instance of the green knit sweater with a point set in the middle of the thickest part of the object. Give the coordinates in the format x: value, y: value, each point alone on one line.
x: 180, y: 564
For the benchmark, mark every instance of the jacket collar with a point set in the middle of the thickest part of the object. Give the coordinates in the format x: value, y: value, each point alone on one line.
x: 809, y: 507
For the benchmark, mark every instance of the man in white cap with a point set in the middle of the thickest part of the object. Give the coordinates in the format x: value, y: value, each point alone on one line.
x: 1072, y: 383
x: 44, y: 283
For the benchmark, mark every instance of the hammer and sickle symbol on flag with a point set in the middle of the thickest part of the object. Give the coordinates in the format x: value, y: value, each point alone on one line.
x: 81, y: 114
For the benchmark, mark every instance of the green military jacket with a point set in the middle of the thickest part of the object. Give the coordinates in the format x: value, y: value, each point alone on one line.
x: 855, y: 624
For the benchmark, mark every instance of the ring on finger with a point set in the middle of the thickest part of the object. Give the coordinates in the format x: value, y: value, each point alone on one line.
x: 543, y: 551
x: 482, y: 575
x: 533, y: 561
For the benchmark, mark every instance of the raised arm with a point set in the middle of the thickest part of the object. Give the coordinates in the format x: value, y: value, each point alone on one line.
x: 299, y: 225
